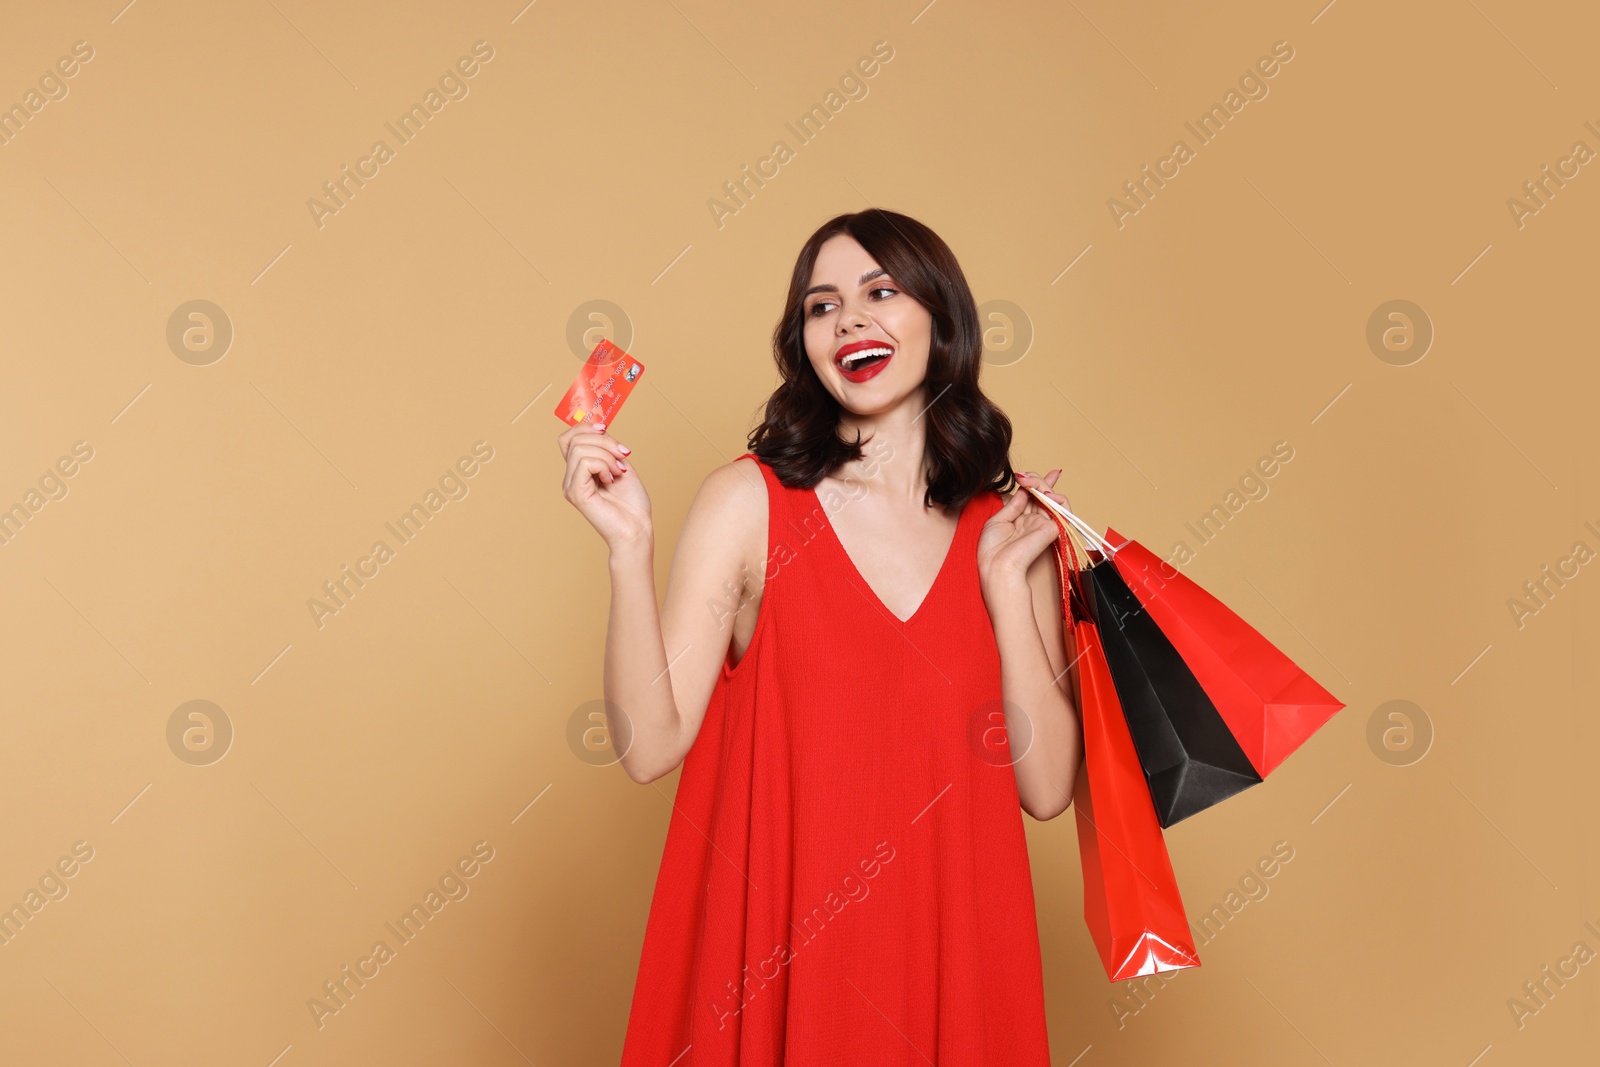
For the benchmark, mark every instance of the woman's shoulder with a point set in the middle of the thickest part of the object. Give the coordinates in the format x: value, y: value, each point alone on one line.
x: 734, y: 497
x: 737, y: 489
x: 729, y: 513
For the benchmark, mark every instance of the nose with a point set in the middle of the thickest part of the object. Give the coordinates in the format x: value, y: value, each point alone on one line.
x: 852, y: 319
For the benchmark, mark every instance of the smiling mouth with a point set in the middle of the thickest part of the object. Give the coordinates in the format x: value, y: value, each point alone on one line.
x: 866, y: 357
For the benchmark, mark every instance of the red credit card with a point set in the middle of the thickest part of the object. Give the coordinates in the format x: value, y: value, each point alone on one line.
x: 607, y: 377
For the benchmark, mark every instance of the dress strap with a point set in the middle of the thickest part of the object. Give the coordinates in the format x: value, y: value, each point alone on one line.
x: 766, y: 471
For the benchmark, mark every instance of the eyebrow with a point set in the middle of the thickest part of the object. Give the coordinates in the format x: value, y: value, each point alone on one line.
x: 876, y: 272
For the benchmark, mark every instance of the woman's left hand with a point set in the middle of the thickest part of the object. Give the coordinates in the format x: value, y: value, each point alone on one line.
x: 1015, y: 535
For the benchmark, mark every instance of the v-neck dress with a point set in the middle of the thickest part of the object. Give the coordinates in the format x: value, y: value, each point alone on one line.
x: 845, y: 878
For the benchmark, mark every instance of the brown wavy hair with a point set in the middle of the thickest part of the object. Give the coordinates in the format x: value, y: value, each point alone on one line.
x: 968, y: 438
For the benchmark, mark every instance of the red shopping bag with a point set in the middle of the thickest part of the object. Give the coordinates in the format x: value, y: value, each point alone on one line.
x: 1130, y: 893
x: 1269, y: 704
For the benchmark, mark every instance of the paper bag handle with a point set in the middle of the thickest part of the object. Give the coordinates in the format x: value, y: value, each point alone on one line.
x: 1071, y: 573
x: 1096, y: 542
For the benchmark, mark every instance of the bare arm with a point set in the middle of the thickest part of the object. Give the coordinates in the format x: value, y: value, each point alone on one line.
x: 661, y: 666
x: 1021, y: 586
x: 1036, y: 689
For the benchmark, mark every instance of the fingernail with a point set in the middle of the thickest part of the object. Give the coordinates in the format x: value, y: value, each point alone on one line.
x: 599, y: 425
x: 625, y: 449
x: 622, y: 466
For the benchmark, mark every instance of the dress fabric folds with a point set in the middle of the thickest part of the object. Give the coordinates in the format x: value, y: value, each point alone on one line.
x: 845, y: 877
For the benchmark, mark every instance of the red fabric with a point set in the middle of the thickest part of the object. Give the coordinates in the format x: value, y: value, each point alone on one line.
x: 846, y: 877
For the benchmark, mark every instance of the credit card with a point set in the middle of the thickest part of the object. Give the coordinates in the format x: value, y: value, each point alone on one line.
x: 603, y: 383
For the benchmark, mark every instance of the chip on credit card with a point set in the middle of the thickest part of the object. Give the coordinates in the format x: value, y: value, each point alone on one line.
x: 603, y: 383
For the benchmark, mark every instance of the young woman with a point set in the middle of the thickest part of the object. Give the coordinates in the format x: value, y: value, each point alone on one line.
x: 861, y: 666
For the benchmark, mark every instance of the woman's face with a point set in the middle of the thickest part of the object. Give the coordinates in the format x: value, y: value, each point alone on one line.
x: 858, y: 307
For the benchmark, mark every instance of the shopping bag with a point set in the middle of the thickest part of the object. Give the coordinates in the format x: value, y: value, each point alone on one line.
x: 1190, y: 757
x: 1130, y: 893
x: 1131, y: 902
x: 1270, y: 705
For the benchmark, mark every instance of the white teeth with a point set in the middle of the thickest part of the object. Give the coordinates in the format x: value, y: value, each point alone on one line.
x: 866, y: 353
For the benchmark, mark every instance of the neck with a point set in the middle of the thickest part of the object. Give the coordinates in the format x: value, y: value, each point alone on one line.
x: 892, y: 464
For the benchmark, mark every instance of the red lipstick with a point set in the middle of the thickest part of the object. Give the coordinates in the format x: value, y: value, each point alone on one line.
x: 870, y: 358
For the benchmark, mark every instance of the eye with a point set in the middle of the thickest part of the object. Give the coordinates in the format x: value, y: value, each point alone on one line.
x: 817, y: 308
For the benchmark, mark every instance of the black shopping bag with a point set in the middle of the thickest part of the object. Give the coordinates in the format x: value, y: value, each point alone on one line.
x: 1190, y: 757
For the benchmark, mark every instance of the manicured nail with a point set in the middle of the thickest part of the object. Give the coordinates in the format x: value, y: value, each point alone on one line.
x: 622, y: 466
x: 625, y: 449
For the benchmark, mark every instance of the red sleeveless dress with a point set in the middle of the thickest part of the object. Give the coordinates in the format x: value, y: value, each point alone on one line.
x: 846, y: 877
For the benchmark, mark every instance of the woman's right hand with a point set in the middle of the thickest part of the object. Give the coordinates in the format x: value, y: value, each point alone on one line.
x: 603, y: 484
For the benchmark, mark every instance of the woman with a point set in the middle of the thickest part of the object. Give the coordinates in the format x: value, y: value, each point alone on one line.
x: 861, y: 666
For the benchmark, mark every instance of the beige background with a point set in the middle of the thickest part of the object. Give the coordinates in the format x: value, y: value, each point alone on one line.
x: 432, y: 311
